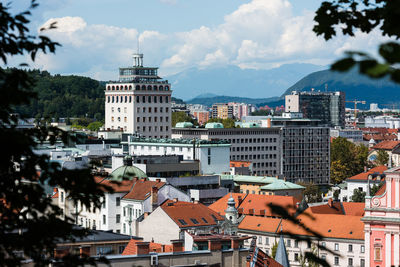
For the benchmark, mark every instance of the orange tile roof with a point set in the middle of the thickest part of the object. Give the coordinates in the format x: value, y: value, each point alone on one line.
x: 387, y: 145
x: 344, y: 208
x: 364, y: 175
x: 240, y: 164
x: 254, y: 204
x: 324, y: 224
x: 187, y: 211
x: 142, y: 189
x: 130, y: 249
x: 221, y: 204
x: 379, y: 137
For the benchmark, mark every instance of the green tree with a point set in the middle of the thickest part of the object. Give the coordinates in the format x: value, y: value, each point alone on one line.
x: 358, y: 196
x: 349, y: 16
x: 311, y: 192
x: 347, y: 159
x: 382, y: 158
x: 181, y: 116
x: 375, y: 188
x: 29, y: 220
x: 95, y: 126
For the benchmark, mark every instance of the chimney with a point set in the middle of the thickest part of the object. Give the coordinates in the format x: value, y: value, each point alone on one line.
x: 262, y: 212
x: 145, y: 215
x: 158, y: 180
x: 269, y: 123
x: 251, y: 211
x: 239, y: 200
x: 235, y: 242
x: 154, y: 197
x: 177, y: 245
x: 142, y: 248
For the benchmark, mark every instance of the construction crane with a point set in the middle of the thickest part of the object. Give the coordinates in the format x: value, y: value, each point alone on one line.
x: 355, y: 109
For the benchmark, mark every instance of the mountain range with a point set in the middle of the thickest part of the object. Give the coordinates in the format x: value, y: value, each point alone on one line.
x: 234, y: 81
x: 356, y: 86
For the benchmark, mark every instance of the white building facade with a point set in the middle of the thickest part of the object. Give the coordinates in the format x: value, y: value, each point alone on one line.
x: 140, y: 102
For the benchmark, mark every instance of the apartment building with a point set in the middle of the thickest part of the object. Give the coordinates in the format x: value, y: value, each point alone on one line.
x: 140, y: 102
x: 222, y: 111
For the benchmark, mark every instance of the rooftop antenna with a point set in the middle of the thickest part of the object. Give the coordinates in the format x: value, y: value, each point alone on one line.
x: 138, y: 58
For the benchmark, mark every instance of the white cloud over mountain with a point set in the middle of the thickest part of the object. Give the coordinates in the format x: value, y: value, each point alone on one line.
x: 259, y: 34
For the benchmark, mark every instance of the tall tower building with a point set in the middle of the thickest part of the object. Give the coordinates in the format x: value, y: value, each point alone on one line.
x: 140, y: 102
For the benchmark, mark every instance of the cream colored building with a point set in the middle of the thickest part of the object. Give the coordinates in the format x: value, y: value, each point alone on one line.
x: 140, y: 102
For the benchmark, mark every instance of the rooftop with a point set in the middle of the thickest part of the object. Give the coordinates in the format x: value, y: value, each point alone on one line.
x: 372, y: 174
x: 325, y: 224
x: 387, y: 145
x: 142, y: 189
x: 188, y: 214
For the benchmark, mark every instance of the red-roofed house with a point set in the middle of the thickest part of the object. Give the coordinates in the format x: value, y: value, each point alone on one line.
x: 121, y: 209
x: 392, y: 147
x: 170, y: 220
x: 340, y: 208
x: 375, y: 175
x: 341, y: 233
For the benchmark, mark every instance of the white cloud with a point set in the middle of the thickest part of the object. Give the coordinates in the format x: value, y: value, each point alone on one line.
x: 258, y: 34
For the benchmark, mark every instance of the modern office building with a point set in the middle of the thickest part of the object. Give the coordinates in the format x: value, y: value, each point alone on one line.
x: 140, y: 102
x: 298, y: 153
x: 329, y: 107
x: 261, y: 146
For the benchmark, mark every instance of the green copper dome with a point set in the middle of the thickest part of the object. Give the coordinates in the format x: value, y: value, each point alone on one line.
x: 127, y: 173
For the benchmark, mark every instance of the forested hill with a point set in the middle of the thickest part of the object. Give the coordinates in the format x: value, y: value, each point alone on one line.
x: 65, y: 96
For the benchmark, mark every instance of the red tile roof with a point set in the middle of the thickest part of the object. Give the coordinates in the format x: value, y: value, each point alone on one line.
x: 387, y: 145
x: 130, y: 249
x: 142, y: 189
x: 364, y: 175
x: 327, y: 225
x: 379, y: 137
x: 344, y: 208
x: 254, y: 204
x: 118, y: 187
x: 188, y: 214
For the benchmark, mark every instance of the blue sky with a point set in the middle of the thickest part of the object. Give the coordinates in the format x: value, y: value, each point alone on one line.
x: 98, y: 36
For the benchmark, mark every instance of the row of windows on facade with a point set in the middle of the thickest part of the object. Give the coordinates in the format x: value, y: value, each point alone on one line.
x: 176, y: 149
x: 138, y: 87
x: 128, y: 99
x: 149, y: 119
x: 252, y: 140
x: 144, y: 109
x: 242, y: 157
x: 257, y: 148
x: 296, y: 258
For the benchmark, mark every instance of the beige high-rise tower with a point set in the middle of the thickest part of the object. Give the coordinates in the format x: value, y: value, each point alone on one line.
x: 140, y: 102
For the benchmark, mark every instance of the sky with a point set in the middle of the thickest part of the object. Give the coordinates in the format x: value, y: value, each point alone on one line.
x: 99, y: 36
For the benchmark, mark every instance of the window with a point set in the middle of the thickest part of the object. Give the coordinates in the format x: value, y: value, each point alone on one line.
x: 182, y: 221
x: 124, y: 211
x: 336, y: 247
x: 362, y: 263
x: 118, y: 218
x: 137, y: 99
x: 296, y: 244
x: 362, y: 248
x: 166, y: 109
x: 323, y: 244
x: 112, y: 109
x: 118, y: 201
x: 289, y: 243
x: 62, y: 196
x: 259, y: 240
x: 104, y: 203
x: 125, y: 119
x: 377, y: 254
x: 121, y: 249
x: 103, y: 250
x: 336, y: 260
x: 350, y: 260
x: 104, y: 219
x: 144, y: 99
x: 296, y: 256
x: 266, y: 241
x: 350, y: 248
x: 124, y: 228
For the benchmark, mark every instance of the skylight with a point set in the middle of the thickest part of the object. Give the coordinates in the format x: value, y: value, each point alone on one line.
x: 204, y: 220
x: 194, y: 221
x: 182, y: 221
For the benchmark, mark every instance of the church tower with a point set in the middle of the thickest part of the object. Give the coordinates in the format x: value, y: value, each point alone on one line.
x: 231, y: 213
